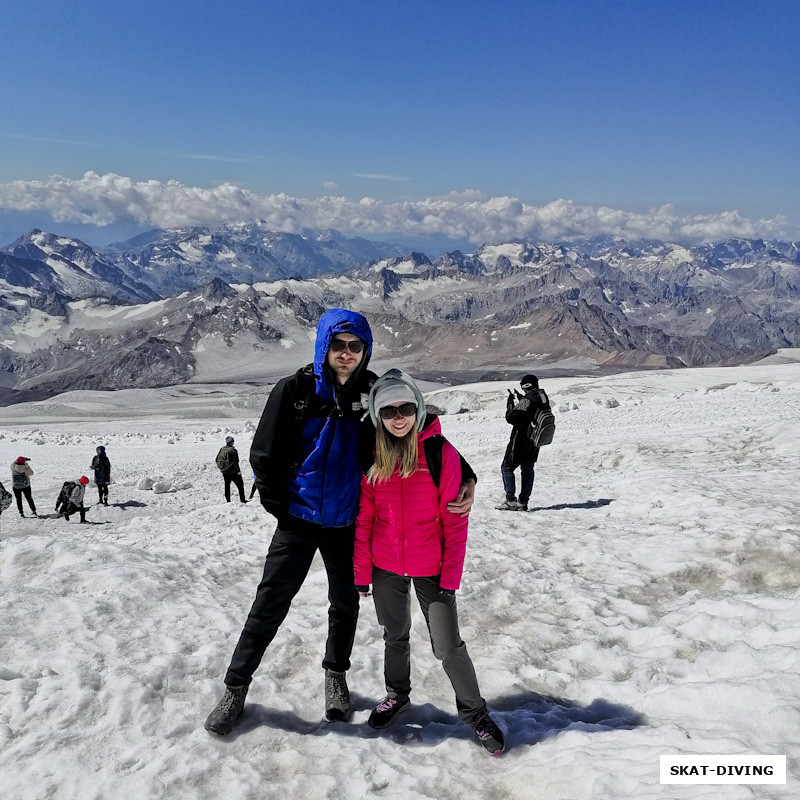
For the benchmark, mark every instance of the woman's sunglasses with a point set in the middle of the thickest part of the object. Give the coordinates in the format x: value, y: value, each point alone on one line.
x: 406, y: 410
x: 338, y: 345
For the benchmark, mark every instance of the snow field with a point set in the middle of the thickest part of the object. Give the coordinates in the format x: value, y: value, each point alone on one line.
x: 648, y: 605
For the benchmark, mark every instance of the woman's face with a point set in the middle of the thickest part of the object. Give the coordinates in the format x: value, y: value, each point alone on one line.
x: 399, y: 425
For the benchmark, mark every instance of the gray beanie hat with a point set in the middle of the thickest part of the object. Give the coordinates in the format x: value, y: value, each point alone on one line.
x: 395, y: 386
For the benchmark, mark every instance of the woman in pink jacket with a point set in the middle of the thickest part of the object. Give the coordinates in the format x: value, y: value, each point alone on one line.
x: 405, y: 535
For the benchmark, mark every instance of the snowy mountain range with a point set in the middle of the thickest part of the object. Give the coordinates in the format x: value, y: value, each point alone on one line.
x: 240, y: 303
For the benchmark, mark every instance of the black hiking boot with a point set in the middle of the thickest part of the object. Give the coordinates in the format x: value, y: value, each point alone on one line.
x: 337, y: 697
x: 221, y: 720
x: 388, y: 709
x: 489, y: 734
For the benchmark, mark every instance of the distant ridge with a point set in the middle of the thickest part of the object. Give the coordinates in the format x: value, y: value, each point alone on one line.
x: 241, y: 302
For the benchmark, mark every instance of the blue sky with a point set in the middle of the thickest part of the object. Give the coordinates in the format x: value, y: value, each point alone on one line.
x: 624, y: 106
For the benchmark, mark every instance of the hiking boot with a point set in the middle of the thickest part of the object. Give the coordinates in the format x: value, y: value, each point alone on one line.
x: 388, y: 709
x: 221, y: 720
x: 509, y: 505
x: 489, y: 734
x: 337, y: 697
x: 523, y: 506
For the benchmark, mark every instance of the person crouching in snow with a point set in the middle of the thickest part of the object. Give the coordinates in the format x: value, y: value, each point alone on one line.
x: 75, y: 500
x: 404, y: 535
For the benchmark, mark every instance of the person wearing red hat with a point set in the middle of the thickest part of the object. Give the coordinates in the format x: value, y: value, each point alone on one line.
x: 21, y: 483
x: 75, y: 502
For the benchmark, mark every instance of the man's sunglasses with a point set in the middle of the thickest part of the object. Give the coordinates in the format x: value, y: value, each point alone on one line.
x: 406, y: 410
x: 338, y: 345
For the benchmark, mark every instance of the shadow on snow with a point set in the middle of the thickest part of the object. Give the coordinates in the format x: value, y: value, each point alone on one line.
x: 603, y: 501
x: 526, y: 717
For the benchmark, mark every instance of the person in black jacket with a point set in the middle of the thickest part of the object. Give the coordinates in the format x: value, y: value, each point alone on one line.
x: 102, y: 474
x: 307, y: 456
x: 228, y: 463
x: 521, y: 452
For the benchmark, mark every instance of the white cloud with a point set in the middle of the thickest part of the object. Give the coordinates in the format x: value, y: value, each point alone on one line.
x: 106, y: 199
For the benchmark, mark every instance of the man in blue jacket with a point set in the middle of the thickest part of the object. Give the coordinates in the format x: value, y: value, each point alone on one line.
x: 306, y: 455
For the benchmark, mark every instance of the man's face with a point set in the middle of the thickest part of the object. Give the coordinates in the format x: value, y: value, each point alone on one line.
x: 343, y: 362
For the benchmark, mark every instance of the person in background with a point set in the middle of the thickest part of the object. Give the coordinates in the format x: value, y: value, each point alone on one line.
x: 102, y: 474
x: 21, y: 484
x: 521, y: 451
x: 405, y: 537
x: 228, y: 463
x: 75, y: 500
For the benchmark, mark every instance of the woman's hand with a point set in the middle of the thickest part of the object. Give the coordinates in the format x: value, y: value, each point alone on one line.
x: 364, y: 590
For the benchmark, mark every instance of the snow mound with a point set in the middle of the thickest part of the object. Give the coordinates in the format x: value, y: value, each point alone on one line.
x: 453, y: 401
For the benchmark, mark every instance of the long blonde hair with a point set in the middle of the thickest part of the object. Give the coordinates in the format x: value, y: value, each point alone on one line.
x: 392, y: 452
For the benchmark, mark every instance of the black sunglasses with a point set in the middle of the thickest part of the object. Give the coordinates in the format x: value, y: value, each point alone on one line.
x: 338, y: 345
x: 406, y: 410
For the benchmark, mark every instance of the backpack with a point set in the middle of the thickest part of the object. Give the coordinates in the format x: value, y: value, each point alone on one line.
x: 19, y: 480
x: 224, y: 460
x: 433, y: 455
x: 5, y: 498
x: 63, y: 495
x: 541, y: 429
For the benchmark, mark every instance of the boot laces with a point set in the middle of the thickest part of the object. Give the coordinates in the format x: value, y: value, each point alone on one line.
x: 485, y: 727
x: 388, y: 703
x: 336, y: 687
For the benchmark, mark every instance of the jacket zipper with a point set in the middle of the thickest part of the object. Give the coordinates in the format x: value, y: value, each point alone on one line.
x: 335, y: 415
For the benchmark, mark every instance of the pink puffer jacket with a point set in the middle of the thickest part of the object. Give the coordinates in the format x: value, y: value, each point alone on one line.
x: 404, y: 527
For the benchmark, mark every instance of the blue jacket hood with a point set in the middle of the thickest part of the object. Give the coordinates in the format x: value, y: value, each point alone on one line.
x: 338, y: 320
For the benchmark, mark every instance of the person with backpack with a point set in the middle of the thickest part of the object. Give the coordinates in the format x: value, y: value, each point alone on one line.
x: 405, y: 537
x: 102, y: 474
x: 228, y: 464
x: 5, y: 499
x: 62, y: 501
x: 21, y: 484
x: 70, y: 500
x: 306, y: 455
x: 522, y: 450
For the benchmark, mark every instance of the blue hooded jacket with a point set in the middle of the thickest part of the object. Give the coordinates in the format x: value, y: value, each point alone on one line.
x: 324, y: 489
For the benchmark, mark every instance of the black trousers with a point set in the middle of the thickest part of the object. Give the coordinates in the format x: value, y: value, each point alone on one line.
x: 286, y: 566
x: 28, y: 496
x: 237, y: 481
x: 73, y: 509
x: 102, y: 493
x: 527, y: 463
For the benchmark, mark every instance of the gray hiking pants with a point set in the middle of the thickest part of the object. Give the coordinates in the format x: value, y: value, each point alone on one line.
x: 393, y: 606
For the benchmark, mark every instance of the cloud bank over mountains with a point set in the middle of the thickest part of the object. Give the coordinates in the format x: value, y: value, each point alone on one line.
x: 115, y: 199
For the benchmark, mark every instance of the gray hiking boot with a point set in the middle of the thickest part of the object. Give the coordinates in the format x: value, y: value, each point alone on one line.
x: 509, y: 505
x: 221, y: 720
x: 337, y: 697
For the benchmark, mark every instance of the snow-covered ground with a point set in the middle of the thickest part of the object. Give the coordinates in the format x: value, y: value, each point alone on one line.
x: 649, y: 605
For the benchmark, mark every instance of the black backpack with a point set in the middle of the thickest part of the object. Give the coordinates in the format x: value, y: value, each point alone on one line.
x: 542, y: 428
x: 433, y: 455
x: 63, y: 495
x: 5, y: 498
